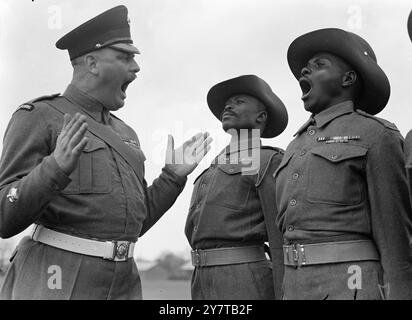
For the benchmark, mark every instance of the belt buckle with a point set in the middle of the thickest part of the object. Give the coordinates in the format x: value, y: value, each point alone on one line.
x: 120, y: 250
x: 299, y: 256
x: 196, y: 258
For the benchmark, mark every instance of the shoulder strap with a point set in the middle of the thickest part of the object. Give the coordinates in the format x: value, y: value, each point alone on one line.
x: 104, y: 133
x: 384, y: 122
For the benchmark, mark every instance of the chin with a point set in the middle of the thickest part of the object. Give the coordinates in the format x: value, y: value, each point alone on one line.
x: 117, y: 106
x: 307, y: 106
x: 226, y: 126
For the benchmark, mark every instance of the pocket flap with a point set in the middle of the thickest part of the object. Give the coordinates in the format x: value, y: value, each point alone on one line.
x: 339, y: 152
x: 93, y: 145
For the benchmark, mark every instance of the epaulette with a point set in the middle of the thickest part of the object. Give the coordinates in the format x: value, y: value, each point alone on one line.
x: 265, y: 158
x: 29, y: 105
x: 384, y: 122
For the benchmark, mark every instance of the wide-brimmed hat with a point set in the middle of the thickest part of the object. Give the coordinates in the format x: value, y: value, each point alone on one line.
x: 410, y: 25
x: 277, y: 116
x: 109, y: 29
x: 355, y: 51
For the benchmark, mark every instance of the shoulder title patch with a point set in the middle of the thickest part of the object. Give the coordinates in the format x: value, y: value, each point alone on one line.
x: 27, y: 107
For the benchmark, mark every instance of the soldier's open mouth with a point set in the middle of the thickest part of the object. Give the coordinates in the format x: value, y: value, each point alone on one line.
x: 125, y: 85
x: 306, y: 87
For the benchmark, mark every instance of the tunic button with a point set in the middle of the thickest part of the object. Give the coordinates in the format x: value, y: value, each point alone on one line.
x: 334, y: 156
x: 195, y: 228
x: 303, y: 152
x: 293, y: 202
x: 312, y: 132
x: 231, y: 170
x: 295, y: 176
x: 203, y: 185
x: 291, y: 228
x: 198, y: 206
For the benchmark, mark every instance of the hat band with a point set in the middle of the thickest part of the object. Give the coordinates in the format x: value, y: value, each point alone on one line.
x: 114, y: 41
x: 97, y: 46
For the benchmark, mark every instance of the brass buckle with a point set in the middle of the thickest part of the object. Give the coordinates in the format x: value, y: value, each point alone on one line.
x: 298, y: 253
x: 295, y: 254
x: 120, y: 250
x: 196, y: 258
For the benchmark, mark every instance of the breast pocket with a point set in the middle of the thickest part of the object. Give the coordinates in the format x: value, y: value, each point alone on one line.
x: 336, y: 174
x: 231, y: 188
x: 92, y: 174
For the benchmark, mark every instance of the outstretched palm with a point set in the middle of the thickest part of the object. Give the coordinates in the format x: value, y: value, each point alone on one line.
x: 185, y: 159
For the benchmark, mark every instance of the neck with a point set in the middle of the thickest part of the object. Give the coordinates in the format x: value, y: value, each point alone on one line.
x: 86, y: 85
x: 332, y: 103
x: 244, y: 136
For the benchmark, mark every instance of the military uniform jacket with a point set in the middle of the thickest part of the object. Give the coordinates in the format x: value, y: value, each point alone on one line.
x: 343, y: 178
x: 230, y: 202
x: 408, y: 153
x: 102, y: 199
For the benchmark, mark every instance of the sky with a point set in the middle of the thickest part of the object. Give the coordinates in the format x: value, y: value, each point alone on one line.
x: 186, y: 47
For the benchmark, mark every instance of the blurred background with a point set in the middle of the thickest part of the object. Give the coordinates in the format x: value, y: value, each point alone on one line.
x: 188, y: 46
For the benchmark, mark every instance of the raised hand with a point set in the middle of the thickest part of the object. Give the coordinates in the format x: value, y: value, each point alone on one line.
x: 70, y: 142
x: 185, y: 159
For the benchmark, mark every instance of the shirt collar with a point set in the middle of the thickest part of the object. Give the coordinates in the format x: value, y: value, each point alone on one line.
x: 90, y: 105
x: 326, y: 116
x: 333, y: 112
x: 242, y: 145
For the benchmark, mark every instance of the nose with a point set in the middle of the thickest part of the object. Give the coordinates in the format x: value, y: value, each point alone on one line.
x: 227, y: 107
x: 305, y: 71
x: 134, y: 67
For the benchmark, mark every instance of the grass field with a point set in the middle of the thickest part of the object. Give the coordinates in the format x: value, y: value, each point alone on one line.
x: 161, y: 289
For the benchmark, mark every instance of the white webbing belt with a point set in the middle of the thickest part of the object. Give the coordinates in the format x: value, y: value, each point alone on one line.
x: 111, y: 250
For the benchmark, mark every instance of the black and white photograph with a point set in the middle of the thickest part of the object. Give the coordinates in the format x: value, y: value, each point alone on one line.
x: 205, y: 150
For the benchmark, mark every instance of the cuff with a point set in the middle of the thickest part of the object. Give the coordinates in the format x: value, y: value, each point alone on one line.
x: 181, y: 181
x: 58, y: 178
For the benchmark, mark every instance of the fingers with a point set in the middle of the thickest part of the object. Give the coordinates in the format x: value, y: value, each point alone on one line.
x: 77, y: 150
x: 75, y: 124
x: 78, y: 136
x: 70, y: 123
x: 197, y: 140
x: 201, y: 155
x: 203, y: 149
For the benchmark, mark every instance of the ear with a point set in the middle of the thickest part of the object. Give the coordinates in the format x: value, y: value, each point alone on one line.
x: 91, y: 63
x: 261, y: 117
x: 349, y: 78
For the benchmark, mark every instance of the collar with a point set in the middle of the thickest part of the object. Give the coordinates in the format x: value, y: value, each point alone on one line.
x: 333, y: 112
x: 326, y: 116
x: 90, y: 105
x: 241, y: 145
